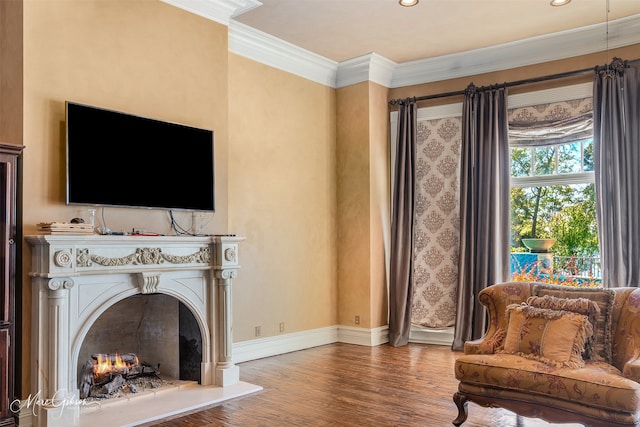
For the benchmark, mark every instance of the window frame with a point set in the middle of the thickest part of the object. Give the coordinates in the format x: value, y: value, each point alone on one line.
x: 555, y: 179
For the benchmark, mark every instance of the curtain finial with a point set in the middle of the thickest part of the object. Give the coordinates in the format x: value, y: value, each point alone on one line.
x: 406, y: 101
x: 470, y: 90
x: 616, y: 67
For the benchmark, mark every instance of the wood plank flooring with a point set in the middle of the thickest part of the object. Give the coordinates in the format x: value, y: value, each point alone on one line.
x: 350, y: 385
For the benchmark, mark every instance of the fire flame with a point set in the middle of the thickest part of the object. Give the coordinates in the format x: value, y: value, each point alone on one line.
x: 105, y: 364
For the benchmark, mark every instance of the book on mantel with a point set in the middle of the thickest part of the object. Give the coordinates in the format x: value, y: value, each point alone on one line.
x: 64, y: 228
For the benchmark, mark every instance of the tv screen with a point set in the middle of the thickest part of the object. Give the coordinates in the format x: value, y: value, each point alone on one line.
x: 124, y: 160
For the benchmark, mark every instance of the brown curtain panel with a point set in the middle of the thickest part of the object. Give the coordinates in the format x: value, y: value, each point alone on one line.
x: 401, y: 256
x: 616, y: 146
x: 484, y: 206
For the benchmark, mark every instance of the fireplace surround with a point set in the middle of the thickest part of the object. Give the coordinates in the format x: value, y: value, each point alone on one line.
x: 76, y: 278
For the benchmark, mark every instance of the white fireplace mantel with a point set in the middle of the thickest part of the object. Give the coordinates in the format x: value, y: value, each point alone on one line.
x: 75, y: 278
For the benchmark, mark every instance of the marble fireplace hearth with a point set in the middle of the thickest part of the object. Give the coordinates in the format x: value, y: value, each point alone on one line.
x: 76, y: 278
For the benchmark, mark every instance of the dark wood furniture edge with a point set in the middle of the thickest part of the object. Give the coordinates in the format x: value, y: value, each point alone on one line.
x: 11, y: 290
x: 526, y: 409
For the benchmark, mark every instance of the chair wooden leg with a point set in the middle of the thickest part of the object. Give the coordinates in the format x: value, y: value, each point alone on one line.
x: 461, y: 402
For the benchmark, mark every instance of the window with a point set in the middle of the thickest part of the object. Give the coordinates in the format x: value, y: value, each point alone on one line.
x: 552, y: 189
x: 553, y: 196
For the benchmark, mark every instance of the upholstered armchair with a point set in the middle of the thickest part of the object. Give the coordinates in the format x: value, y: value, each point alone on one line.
x: 559, y: 353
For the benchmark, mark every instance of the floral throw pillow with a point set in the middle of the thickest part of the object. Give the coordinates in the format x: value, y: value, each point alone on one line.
x: 601, y: 347
x: 555, y: 337
x: 585, y: 306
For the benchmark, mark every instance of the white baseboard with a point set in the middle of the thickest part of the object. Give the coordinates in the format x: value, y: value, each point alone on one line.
x: 285, y: 343
x: 362, y: 336
x: 431, y: 336
x: 280, y: 344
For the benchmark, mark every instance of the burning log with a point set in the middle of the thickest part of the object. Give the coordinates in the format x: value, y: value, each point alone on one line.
x: 109, y: 365
x: 115, y: 358
x: 86, y: 380
x: 107, y: 373
x: 143, y: 370
x: 114, y: 385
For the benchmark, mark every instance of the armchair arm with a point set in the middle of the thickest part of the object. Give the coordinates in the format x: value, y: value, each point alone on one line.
x: 626, y: 334
x: 496, y: 298
x: 631, y: 369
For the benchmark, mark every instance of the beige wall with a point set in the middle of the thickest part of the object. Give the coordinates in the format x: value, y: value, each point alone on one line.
x: 363, y: 204
x: 282, y: 197
x: 380, y: 209
x: 141, y: 57
x: 354, y: 202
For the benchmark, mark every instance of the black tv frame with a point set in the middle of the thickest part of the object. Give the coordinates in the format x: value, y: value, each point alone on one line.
x: 116, y: 159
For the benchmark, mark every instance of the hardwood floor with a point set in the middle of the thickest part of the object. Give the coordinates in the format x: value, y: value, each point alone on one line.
x: 350, y: 385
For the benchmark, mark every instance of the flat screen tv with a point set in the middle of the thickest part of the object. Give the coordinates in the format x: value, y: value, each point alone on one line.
x: 123, y: 160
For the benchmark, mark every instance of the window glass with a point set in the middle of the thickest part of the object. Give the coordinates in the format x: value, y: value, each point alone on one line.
x: 588, y: 156
x: 520, y: 162
x: 544, y: 160
x: 570, y: 158
x: 565, y: 212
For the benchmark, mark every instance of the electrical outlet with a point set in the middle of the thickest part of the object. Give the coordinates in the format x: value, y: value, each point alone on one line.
x: 258, y: 331
x: 357, y: 320
x: 281, y: 326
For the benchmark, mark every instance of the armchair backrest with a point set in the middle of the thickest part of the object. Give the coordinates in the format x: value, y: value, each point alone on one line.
x: 625, y: 322
x: 496, y: 298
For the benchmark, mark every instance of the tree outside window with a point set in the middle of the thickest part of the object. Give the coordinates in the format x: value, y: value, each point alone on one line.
x: 553, y: 196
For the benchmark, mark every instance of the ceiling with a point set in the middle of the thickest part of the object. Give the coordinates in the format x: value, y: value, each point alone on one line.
x: 344, y: 29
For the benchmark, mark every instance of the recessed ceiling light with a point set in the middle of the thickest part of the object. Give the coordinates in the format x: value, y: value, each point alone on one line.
x: 559, y: 2
x: 408, y: 3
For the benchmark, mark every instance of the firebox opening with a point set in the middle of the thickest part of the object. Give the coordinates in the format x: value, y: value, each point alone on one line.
x: 149, y: 340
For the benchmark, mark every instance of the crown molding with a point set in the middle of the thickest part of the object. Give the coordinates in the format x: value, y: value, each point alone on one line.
x: 266, y: 49
x: 371, y: 67
x: 535, y: 50
x: 220, y: 11
x: 277, y: 53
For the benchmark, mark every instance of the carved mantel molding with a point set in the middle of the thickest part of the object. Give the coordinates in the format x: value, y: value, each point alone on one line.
x: 144, y: 256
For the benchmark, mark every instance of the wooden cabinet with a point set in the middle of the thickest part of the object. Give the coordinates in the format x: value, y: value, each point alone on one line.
x: 10, y: 242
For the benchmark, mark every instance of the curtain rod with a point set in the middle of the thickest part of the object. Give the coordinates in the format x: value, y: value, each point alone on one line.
x: 510, y: 84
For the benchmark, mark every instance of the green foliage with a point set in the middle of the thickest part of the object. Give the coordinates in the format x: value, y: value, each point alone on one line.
x: 566, y: 213
x: 563, y: 212
x: 520, y: 162
x: 575, y: 226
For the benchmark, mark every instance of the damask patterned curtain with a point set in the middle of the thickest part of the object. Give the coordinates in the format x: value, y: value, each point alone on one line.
x: 484, y: 206
x: 437, y: 222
